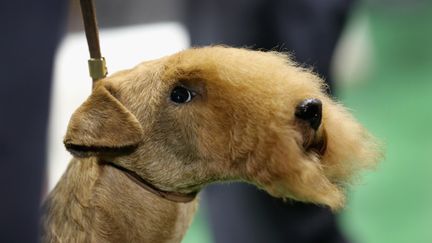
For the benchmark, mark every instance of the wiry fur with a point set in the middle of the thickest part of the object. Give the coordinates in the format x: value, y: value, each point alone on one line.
x: 240, y: 126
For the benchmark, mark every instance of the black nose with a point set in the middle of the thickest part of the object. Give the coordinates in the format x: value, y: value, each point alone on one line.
x: 310, y: 110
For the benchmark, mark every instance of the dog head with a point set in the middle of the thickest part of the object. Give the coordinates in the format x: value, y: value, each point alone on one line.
x: 216, y: 114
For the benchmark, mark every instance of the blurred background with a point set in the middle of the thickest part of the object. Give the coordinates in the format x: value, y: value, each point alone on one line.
x: 381, y: 69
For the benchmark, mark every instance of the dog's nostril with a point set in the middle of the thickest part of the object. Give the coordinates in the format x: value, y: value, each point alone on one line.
x: 310, y: 110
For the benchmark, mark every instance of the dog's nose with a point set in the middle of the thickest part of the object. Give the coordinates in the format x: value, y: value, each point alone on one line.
x: 310, y: 110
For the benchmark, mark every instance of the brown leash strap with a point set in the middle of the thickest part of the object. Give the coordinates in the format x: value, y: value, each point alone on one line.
x: 96, y: 63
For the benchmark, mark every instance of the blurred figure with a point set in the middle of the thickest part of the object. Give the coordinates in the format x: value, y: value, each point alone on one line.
x: 31, y: 32
x: 308, y: 28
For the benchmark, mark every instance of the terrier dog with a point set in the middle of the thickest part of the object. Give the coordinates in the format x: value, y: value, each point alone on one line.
x: 148, y: 139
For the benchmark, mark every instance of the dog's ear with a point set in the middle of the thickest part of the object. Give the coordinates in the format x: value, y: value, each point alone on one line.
x: 102, y: 126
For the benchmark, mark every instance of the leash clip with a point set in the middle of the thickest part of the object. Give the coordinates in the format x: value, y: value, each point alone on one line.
x: 97, y: 68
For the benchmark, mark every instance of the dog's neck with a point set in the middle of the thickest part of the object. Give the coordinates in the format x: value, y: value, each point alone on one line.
x: 99, y: 203
x: 177, y: 197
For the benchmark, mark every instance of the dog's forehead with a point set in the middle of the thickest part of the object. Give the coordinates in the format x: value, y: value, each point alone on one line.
x: 225, y: 73
x: 268, y: 73
x: 225, y: 62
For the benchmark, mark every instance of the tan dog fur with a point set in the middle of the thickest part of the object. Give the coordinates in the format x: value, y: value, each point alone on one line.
x: 240, y: 126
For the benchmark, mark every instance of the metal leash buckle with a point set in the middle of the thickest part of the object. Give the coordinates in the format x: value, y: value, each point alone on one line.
x: 97, y: 68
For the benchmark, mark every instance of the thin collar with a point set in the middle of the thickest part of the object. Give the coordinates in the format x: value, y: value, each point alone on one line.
x: 171, y: 196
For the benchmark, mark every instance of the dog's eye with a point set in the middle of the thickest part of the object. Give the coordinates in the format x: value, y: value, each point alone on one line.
x: 181, y: 95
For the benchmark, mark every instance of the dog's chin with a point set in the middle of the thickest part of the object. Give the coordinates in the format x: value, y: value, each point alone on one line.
x: 332, y: 197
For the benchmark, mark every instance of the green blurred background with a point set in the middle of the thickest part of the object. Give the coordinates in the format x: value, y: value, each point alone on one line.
x: 389, y: 89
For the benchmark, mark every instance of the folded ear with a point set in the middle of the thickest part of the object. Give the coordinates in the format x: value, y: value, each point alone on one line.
x: 102, y: 125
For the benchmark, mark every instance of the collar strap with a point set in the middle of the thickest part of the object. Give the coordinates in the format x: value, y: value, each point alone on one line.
x: 171, y: 196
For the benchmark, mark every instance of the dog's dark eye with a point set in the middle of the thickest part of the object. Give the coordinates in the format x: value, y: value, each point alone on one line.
x: 181, y: 95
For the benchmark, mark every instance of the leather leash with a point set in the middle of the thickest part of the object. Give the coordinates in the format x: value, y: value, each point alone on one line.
x: 98, y: 70
x: 96, y: 63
